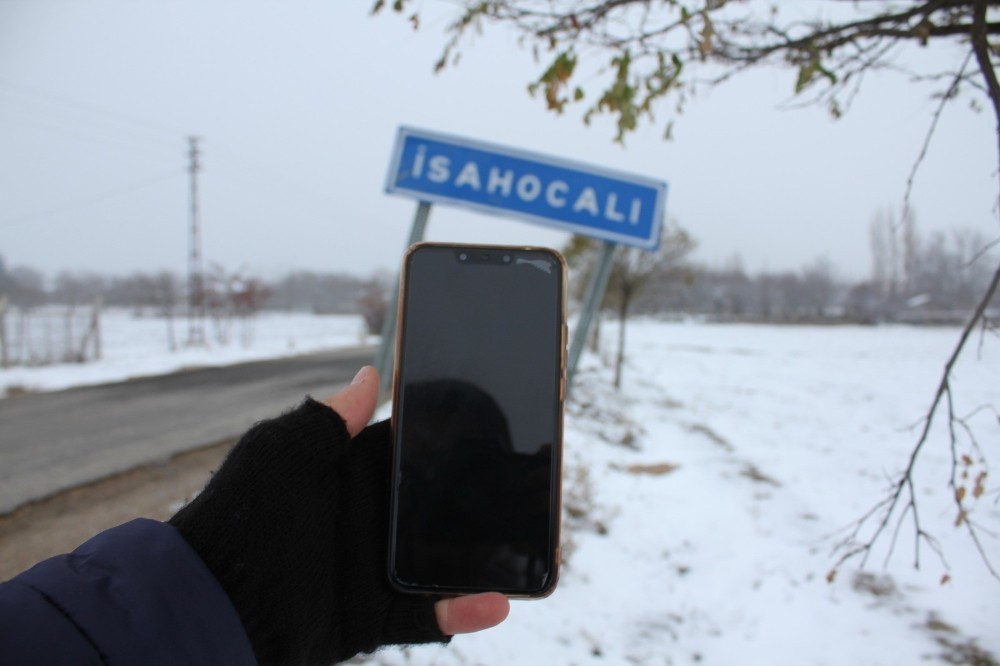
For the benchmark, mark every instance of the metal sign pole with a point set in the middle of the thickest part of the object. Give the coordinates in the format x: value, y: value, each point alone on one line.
x: 591, y: 305
x: 384, y: 355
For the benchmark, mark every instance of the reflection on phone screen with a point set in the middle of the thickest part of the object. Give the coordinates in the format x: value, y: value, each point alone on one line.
x: 478, y: 424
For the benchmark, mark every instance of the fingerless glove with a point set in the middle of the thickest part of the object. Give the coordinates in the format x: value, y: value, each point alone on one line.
x: 294, y: 526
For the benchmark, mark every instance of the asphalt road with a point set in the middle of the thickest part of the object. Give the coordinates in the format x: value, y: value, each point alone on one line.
x: 54, y: 441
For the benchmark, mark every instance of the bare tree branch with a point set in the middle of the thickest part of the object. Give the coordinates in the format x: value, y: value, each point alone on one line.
x: 945, y: 98
x: 904, y: 483
x: 981, y: 47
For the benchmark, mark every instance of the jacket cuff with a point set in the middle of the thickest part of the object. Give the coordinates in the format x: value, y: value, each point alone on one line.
x: 140, y: 594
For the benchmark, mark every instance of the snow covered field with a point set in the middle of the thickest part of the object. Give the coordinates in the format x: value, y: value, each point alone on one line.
x: 138, y: 346
x: 704, y: 499
x: 777, y: 438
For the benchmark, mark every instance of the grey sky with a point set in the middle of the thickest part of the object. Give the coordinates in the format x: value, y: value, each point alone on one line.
x: 298, y: 103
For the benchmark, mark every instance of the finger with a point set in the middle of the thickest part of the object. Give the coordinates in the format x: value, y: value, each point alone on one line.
x: 463, y: 615
x: 356, y: 403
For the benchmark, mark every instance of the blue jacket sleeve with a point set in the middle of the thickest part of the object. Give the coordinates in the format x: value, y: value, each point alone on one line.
x: 135, y: 594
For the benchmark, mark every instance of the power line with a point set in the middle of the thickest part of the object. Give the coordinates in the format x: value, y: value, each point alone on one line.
x: 271, y: 177
x: 51, y: 97
x: 122, y: 126
x: 58, y: 114
x: 113, y: 143
x: 87, y: 201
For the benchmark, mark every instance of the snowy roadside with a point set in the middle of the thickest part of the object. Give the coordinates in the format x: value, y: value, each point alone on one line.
x: 705, y: 498
x: 139, y: 346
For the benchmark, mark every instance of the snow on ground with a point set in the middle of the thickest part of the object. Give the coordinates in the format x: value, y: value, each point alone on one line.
x: 704, y: 498
x: 781, y: 436
x: 135, y: 346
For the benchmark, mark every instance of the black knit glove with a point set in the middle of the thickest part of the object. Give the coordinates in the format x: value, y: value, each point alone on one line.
x: 294, y: 525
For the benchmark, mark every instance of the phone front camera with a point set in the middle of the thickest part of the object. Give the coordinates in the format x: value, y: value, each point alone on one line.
x: 506, y: 258
x: 463, y: 256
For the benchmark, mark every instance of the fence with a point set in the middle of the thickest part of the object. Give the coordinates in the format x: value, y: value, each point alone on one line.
x: 47, y: 335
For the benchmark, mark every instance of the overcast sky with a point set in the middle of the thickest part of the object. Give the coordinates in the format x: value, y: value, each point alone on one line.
x: 297, y: 106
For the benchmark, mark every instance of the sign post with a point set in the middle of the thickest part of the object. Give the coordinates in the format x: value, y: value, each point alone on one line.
x: 591, y: 303
x: 615, y: 207
x: 383, y: 357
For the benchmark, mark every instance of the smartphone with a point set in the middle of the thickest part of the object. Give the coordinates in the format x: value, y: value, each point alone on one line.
x: 478, y: 397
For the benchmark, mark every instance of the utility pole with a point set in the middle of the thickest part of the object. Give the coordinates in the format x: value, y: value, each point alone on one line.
x: 196, y: 278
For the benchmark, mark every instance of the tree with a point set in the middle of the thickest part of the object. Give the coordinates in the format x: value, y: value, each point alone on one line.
x: 885, y: 260
x: 162, y: 290
x: 373, y: 304
x: 231, y: 296
x: 77, y: 288
x: 651, y: 53
x: 28, y: 286
x: 322, y: 293
x: 632, y: 268
x: 942, y: 272
x: 7, y: 281
x: 818, y: 286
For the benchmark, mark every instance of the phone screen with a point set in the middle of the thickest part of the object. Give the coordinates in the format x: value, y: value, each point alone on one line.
x: 478, y: 420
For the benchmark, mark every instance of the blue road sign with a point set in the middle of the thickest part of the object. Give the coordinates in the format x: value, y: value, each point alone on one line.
x: 583, y: 199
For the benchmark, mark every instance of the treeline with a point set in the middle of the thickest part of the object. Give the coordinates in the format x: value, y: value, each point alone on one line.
x: 936, y: 279
x: 300, y: 290
x: 939, y: 278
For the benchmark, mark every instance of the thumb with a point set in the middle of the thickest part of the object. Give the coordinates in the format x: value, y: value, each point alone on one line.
x: 356, y: 402
x: 463, y: 615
